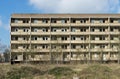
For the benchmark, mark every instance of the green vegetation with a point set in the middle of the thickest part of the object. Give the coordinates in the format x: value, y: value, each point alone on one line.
x: 23, y: 72
x: 59, y: 72
x: 96, y: 72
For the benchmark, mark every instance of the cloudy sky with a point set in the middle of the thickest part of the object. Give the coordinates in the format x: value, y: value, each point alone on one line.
x: 7, y: 7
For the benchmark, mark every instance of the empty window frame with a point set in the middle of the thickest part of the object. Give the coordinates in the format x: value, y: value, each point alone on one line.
x: 63, y: 21
x: 25, y: 30
x: 111, y: 38
x: 101, y: 21
x: 102, y: 29
x: 102, y: 46
x: 73, y: 29
x: 64, y: 38
x: 92, y: 29
x: 25, y: 47
x: 44, y: 46
x: 82, y: 21
x: 73, y: 21
x: 35, y: 21
x: 14, y: 46
x: 16, y: 21
x: 92, y: 21
x: 111, y: 29
x: 82, y: 29
x: 102, y: 37
x: 82, y: 38
x: 73, y: 46
x: 53, y: 29
x: 35, y: 46
x: 34, y: 38
x: 25, y: 21
x: 83, y: 46
x: 45, y: 38
x: 64, y: 46
x: 44, y: 21
x: 25, y: 38
x: 53, y: 46
x: 54, y: 38
x: 73, y: 38
x: 64, y: 29
x: 118, y: 20
x: 45, y: 30
x: 16, y: 29
x: 92, y: 38
x: 35, y: 30
x: 14, y: 38
x: 53, y: 21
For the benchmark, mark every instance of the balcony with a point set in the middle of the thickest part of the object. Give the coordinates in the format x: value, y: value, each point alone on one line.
x: 80, y: 24
x: 80, y: 33
x: 113, y: 49
x: 113, y: 58
x: 59, y: 24
x: 60, y: 50
x: 114, y: 41
x: 100, y: 50
x: 79, y: 41
x: 99, y: 33
x: 40, y: 58
x: 60, y: 33
x: 99, y: 41
x: 20, y: 50
x: 19, y: 42
x: 99, y: 24
x: 40, y: 42
x: 115, y: 33
x: 60, y: 41
x: 40, y: 24
x: 20, y: 24
x: 40, y: 33
x: 41, y: 50
x: 20, y: 33
x: 114, y: 24
x: 81, y: 50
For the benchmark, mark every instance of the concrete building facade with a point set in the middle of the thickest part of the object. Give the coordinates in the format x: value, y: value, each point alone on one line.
x: 65, y: 37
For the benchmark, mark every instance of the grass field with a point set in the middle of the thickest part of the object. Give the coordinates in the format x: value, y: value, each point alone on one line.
x: 59, y: 71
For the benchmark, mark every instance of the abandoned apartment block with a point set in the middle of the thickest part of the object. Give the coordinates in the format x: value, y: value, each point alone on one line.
x: 65, y: 37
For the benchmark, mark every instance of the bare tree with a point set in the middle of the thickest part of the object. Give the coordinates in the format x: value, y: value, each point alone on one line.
x: 78, y: 55
x: 101, y: 55
x: 56, y: 53
x: 7, y: 54
x: 2, y: 49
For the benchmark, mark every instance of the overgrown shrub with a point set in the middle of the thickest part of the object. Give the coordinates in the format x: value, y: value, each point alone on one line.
x: 57, y: 71
x: 2, y: 73
x: 96, y: 72
x: 23, y: 72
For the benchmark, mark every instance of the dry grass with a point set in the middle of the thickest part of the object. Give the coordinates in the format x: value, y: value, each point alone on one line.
x: 41, y: 71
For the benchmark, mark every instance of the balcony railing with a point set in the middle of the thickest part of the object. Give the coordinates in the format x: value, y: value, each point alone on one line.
x: 20, y: 24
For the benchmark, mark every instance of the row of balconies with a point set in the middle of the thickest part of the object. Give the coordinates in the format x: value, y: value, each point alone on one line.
x: 65, y: 33
x: 61, y: 25
x: 71, y: 56
x: 78, y: 58
x: 66, y: 50
x: 63, y: 41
